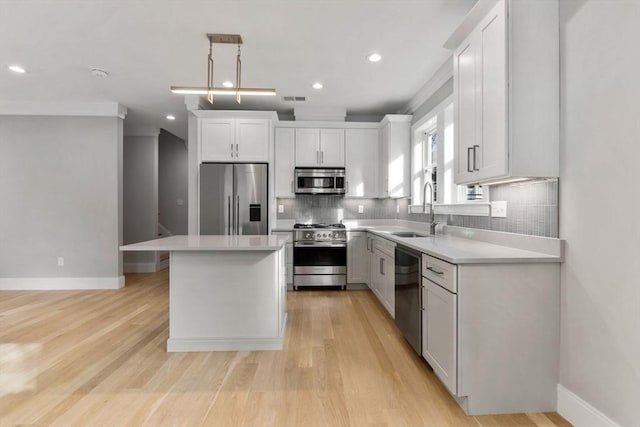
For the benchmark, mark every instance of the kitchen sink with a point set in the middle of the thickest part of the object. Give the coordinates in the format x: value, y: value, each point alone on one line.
x: 408, y: 234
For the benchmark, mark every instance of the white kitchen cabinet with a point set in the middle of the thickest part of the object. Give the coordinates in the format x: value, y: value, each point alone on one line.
x: 440, y: 332
x: 395, y: 156
x: 288, y: 255
x: 491, y: 333
x: 383, y: 272
x: 284, y: 162
x: 361, y: 158
x: 234, y: 140
x: 319, y: 147
x: 357, y: 257
x: 506, y: 91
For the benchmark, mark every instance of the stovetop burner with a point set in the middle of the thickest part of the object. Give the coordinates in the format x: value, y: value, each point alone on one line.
x: 320, y: 225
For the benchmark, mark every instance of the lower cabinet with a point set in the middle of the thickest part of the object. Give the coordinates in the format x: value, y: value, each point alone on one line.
x: 491, y: 333
x: 382, y: 272
x: 357, y: 257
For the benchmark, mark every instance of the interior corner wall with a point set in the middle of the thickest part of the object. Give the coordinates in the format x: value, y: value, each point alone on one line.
x: 140, y: 194
x: 438, y: 96
x: 600, y: 104
x: 59, y: 181
x: 173, y: 187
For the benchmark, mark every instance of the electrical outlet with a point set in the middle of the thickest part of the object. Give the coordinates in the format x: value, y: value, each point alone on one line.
x: 60, y: 261
x: 179, y: 202
x: 280, y: 208
x: 499, y: 209
x: 360, y: 209
x: 397, y: 208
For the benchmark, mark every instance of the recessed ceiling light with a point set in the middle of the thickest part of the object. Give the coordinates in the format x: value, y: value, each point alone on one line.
x: 99, y: 72
x: 17, y: 69
x: 317, y: 85
x: 227, y: 84
x: 171, y: 117
x: 374, y: 57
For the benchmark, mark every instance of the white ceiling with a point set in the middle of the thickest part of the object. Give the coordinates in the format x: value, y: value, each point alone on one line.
x: 148, y: 46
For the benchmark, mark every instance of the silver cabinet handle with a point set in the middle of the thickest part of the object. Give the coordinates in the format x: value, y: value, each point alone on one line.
x: 236, y: 149
x: 231, y: 151
x: 292, y: 190
x: 322, y: 157
x: 435, y: 271
x: 347, y: 187
x: 475, y: 157
x: 469, y: 150
x: 382, y: 266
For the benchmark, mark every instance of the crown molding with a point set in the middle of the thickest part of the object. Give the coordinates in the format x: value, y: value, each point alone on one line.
x: 82, y: 109
x: 439, y: 78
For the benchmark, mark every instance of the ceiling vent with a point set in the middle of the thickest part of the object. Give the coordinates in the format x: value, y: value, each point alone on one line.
x: 294, y: 98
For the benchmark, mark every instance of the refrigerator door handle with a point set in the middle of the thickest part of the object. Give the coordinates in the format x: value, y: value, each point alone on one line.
x: 229, y: 215
x: 238, y: 215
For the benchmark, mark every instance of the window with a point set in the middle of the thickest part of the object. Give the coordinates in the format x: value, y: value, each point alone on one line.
x: 432, y: 160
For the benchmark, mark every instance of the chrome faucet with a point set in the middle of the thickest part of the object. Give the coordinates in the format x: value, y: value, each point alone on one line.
x: 432, y: 223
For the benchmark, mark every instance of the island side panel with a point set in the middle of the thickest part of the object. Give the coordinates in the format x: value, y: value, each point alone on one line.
x: 223, y: 300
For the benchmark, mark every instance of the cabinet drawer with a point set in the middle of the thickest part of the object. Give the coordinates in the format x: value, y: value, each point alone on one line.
x: 440, y: 272
x: 385, y: 246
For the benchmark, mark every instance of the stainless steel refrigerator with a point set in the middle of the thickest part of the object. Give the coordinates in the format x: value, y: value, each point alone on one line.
x: 233, y: 198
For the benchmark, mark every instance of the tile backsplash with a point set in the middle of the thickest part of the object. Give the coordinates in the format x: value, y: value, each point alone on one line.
x: 532, y: 208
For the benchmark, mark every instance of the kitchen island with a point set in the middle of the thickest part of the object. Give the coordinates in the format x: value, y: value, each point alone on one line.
x: 226, y: 293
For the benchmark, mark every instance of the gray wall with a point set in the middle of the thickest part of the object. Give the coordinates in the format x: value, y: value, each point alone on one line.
x: 59, y: 183
x: 600, y: 104
x: 140, y: 175
x: 172, y: 183
x: 433, y: 101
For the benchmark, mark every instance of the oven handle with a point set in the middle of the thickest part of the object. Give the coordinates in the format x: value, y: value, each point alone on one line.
x: 320, y: 244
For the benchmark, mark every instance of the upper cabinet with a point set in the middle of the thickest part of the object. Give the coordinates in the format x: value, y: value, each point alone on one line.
x: 284, y: 162
x: 361, y: 158
x: 319, y: 147
x: 234, y: 140
x: 395, y: 156
x: 506, y: 92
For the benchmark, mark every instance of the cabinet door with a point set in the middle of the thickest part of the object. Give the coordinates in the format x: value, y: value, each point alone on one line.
x: 398, y: 162
x: 218, y: 140
x: 307, y: 147
x: 491, y: 156
x: 361, y: 158
x: 440, y: 336
x: 464, y: 82
x: 389, y: 285
x: 284, y: 162
x: 383, y: 183
x: 332, y: 147
x: 357, y: 257
x: 252, y: 139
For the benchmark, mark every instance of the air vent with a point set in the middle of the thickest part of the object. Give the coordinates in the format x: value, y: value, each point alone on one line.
x: 294, y: 98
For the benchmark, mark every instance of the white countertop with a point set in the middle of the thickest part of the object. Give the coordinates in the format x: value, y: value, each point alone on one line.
x: 210, y: 243
x: 460, y: 245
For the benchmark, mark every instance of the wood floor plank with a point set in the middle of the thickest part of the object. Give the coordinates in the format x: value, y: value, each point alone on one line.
x: 102, y: 360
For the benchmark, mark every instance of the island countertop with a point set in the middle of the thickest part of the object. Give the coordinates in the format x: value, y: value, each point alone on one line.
x: 210, y: 243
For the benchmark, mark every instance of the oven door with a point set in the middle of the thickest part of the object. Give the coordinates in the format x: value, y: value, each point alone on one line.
x: 319, y: 258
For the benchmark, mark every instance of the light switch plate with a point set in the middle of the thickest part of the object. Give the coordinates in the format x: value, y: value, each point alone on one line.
x: 60, y: 261
x: 179, y: 202
x: 397, y: 208
x: 360, y: 209
x: 499, y: 209
x: 280, y: 208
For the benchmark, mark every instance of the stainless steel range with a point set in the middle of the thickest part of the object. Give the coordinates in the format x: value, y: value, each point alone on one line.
x: 319, y: 255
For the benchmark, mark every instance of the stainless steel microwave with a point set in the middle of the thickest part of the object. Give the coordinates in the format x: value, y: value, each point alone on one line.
x: 319, y: 181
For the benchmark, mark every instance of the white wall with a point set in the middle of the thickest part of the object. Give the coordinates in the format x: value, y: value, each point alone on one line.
x: 60, y: 195
x: 600, y: 154
x: 172, y: 183
x: 140, y: 175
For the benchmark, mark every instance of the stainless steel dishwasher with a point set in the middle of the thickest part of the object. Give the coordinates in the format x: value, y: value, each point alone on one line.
x: 408, y: 306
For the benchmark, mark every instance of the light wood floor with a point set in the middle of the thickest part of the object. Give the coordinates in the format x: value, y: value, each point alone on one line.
x: 101, y: 361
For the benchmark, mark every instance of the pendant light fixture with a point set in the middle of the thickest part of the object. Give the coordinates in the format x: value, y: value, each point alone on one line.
x: 211, y: 90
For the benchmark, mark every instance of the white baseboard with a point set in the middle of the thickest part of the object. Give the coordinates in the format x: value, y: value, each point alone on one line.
x: 579, y: 412
x: 162, y: 265
x: 60, y: 283
x: 145, y: 267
